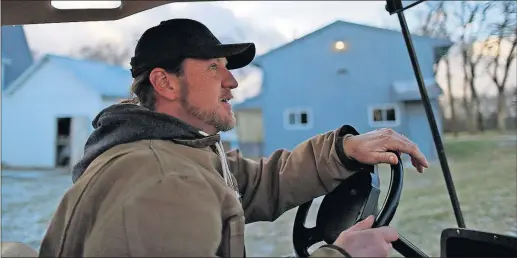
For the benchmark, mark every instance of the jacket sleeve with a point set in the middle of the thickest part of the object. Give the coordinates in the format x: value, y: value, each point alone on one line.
x: 287, y: 179
x: 330, y: 251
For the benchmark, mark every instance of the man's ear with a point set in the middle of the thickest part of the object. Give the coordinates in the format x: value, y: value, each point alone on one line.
x: 164, y: 83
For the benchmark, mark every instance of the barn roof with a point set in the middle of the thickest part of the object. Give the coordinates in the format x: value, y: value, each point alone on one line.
x: 258, y: 59
x: 107, y: 80
x: 408, y: 90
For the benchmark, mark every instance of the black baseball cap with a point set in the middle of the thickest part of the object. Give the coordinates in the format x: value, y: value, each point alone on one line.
x: 173, y: 40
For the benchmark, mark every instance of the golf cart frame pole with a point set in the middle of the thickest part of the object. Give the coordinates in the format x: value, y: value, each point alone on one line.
x: 395, y: 6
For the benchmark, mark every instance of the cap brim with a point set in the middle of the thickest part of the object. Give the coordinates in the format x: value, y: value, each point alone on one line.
x: 238, y: 55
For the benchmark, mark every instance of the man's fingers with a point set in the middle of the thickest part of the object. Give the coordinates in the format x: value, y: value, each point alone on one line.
x: 417, y: 165
x: 362, y: 225
x: 386, y: 157
x: 402, y: 144
x: 387, y: 248
x: 374, y: 147
x: 408, y: 148
x: 389, y: 234
x: 404, y: 138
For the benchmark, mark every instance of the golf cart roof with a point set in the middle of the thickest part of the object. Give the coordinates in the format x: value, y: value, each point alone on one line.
x: 16, y: 12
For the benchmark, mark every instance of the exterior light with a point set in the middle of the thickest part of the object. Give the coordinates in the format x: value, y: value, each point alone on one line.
x: 340, y: 46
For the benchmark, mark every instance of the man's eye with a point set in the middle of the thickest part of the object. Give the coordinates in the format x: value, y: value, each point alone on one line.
x: 213, y: 66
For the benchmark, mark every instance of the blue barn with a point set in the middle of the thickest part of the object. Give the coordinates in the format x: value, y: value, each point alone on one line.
x: 343, y: 73
x: 16, y: 54
x: 51, y: 105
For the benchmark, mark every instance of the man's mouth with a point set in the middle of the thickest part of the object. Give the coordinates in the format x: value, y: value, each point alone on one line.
x: 226, y: 100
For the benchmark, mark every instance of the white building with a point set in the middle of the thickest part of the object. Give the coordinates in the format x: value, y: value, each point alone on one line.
x: 51, y: 105
x: 49, y: 109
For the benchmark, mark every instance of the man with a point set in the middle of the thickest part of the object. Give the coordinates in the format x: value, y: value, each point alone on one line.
x: 155, y: 181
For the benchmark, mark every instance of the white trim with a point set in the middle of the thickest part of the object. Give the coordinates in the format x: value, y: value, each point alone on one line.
x: 13, y: 87
x: 393, y: 106
x: 297, y: 111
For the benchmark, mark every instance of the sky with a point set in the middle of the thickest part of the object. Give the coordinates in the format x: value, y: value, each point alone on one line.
x: 268, y: 24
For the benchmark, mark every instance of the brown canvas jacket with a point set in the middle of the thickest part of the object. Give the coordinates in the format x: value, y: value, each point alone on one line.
x: 164, y: 195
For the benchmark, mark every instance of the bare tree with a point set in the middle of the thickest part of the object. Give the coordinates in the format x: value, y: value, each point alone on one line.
x: 435, y: 18
x: 435, y: 25
x: 106, y: 52
x: 472, y: 16
x: 109, y: 52
x: 504, y: 31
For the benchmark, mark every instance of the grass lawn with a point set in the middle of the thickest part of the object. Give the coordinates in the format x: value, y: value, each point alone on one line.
x: 483, y: 169
x: 485, y: 175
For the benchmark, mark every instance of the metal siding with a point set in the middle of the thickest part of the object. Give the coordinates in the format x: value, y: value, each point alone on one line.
x: 305, y: 74
x: 419, y: 130
x: 53, y: 89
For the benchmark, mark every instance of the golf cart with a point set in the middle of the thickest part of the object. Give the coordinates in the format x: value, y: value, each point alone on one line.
x: 355, y: 198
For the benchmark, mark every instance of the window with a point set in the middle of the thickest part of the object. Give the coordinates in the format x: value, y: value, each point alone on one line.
x: 298, y: 118
x: 384, y: 115
x: 439, y: 53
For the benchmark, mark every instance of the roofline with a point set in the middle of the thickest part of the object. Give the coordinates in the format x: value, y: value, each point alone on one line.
x: 255, y: 62
x: 11, y: 88
x: 340, y: 22
x: 296, y: 40
x: 26, y: 43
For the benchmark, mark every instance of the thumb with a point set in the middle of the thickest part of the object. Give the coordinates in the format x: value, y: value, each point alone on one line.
x: 362, y: 225
x: 387, y: 157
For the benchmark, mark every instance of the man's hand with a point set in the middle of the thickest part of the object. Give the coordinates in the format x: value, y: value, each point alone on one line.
x: 361, y: 240
x: 372, y: 148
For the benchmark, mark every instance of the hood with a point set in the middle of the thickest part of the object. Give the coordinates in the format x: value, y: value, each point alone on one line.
x: 125, y: 123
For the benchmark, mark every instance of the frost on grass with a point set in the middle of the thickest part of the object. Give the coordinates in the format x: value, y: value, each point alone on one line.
x: 483, y: 173
x: 28, y: 200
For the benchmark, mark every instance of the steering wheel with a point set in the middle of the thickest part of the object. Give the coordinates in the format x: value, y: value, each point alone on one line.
x: 352, y: 201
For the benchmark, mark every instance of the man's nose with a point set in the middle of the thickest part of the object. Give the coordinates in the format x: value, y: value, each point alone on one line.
x: 229, y: 80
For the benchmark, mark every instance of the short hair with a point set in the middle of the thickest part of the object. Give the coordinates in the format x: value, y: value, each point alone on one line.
x: 142, y: 91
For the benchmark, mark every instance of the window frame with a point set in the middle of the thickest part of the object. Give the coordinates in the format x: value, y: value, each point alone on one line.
x: 298, y: 113
x: 384, y: 108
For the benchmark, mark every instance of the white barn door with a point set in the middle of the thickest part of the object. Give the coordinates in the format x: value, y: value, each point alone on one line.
x: 79, y: 132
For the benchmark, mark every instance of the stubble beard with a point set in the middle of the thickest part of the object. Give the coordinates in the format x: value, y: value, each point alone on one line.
x: 209, y: 116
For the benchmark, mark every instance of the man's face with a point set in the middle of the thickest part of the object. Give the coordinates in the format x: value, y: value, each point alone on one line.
x: 205, y: 89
